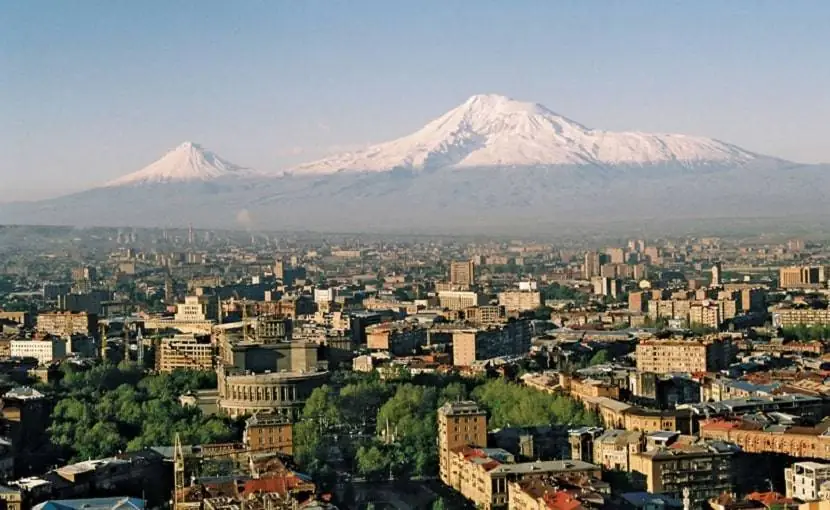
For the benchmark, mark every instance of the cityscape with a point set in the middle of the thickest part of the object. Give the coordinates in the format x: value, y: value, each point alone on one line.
x: 362, y: 256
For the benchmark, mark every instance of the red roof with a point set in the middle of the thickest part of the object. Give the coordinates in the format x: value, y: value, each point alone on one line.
x: 279, y: 484
x: 561, y: 500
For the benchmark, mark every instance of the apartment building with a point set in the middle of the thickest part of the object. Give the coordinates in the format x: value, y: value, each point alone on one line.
x: 475, y: 344
x: 486, y: 314
x: 613, y: 449
x: 520, y: 300
x: 690, y: 356
x: 197, y: 308
x: 190, y: 352
x: 459, y: 424
x: 704, y: 468
x: 788, y: 317
x: 796, y: 441
x: 65, y: 324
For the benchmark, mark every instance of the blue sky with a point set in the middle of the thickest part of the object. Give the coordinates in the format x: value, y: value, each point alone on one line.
x: 92, y: 90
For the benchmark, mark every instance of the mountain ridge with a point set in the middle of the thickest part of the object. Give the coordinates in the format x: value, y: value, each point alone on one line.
x: 493, y: 130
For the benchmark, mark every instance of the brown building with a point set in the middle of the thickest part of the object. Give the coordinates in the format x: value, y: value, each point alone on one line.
x: 459, y: 424
x: 637, y: 301
x: 399, y: 338
x: 475, y: 344
x: 462, y: 273
x: 269, y: 432
x: 806, y: 442
x: 705, y: 469
x: 690, y: 356
x: 520, y: 300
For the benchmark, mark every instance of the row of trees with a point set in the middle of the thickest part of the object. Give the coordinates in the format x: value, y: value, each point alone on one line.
x: 803, y: 333
x: 377, y: 428
x: 109, y: 409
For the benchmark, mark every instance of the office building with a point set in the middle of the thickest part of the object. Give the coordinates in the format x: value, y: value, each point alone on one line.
x: 45, y: 351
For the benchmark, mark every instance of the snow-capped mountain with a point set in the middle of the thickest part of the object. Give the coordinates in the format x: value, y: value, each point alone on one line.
x: 189, y: 162
x: 496, y: 131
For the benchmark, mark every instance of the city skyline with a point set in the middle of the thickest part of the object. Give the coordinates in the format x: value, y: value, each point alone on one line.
x: 95, y: 97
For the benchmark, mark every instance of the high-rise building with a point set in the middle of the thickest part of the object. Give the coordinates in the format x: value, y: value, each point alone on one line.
x: 462, y: 273
x: 616, y: 255
x: 717, y: 274
x: 591, y: 265
x: 459, y: 424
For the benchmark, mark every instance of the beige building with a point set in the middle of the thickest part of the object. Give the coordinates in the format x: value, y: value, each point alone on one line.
x: 705, y: 314
x: 613, y: 449
x: 798, y: 277
x: 459, y: 299
x: 459, y: 424
x: 197, y: 308
x: 65, y: 324
x: 520, y: 300
x: 688, y: 356
x: 462, y: 273
x: 788, y: 317
x: 808, y: 481
x: 187, y: 352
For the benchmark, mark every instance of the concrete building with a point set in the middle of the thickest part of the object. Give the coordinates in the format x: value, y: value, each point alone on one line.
x: 613, y: 449
x: 462, y: 273
x: 520, y: 300
x: 692, y: 356
x: 476, y: 344
x: 189, y: 352
x: 46, y: 351
x: 705, y: 314
x: 65, y: 324
x: 591, y: 265
x: 788, y: 317
x: 804, y: 480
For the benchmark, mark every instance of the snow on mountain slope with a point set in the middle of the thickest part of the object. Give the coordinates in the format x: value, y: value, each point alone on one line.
x: 189, y: 162
x: 493, y: 130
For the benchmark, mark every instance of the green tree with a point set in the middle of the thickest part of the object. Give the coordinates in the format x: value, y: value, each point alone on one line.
x: 372, y: 463
x: 602, y: 356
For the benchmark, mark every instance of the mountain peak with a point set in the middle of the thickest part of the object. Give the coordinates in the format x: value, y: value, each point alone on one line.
x: 492, y: 130
x: 188, y: 162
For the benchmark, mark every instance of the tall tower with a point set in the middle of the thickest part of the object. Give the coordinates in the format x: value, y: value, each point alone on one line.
x: 717, y: 275
x: 178, y: 472
x: 590, y: 266
x: 459, y: 424
x: 190, y: 238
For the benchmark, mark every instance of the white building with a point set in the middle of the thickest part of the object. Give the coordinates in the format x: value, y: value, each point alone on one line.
x: 804, y: 480
x: 325, y: 295
x: 45, y: 351
x: 196, y: 308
